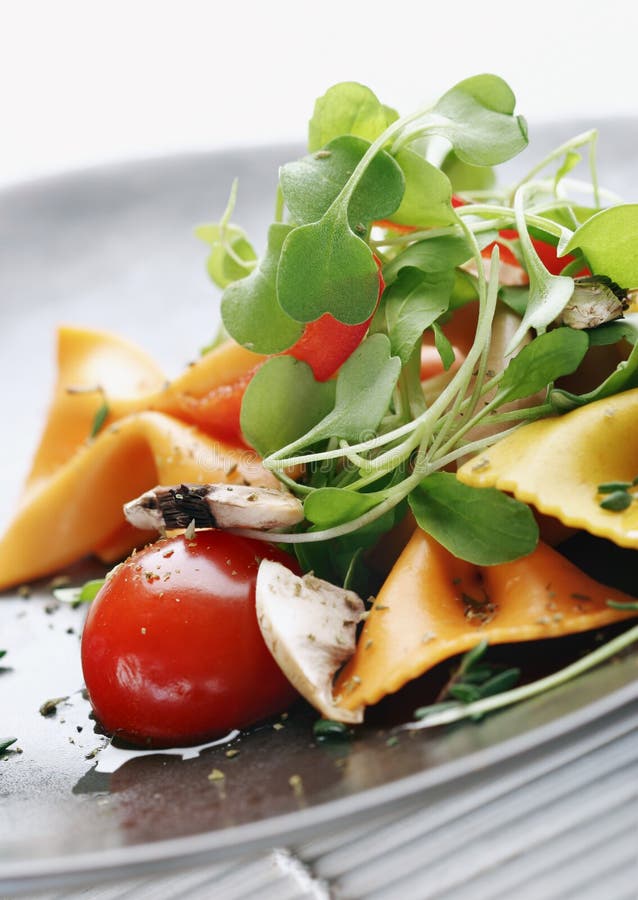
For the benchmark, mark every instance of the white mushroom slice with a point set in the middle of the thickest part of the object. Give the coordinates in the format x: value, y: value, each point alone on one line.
x: 309, y: 626
x: 214, y: 506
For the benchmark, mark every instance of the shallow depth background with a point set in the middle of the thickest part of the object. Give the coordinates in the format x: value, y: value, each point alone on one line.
x: 82, y: 82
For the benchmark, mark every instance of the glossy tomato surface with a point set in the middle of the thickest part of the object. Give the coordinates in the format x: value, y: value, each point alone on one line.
x: 171, y: 650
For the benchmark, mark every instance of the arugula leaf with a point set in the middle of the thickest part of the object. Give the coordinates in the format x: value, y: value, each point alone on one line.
x: 282, y: 403
x: 412, y: 303
x: 427, y: 200
x: 310, y: 185
x: 348, y: 108
x: 444, y: 346
x: 250, y: 310
x: 541, y: 362
x: 478, y: 120
x: 480, y: 525
x: 608, y: 240
x: 436, y: 254
x: 326, y: 268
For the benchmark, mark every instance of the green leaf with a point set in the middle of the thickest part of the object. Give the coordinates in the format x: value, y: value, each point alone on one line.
x: 427, y: 200
x: 437, y: 254
x: 465, y: 177
x: 310, y: 185
x: 364, y: 389
x: 444, y: 346
x: 479, y: 121
x: 572, y: 158
x: 623, y: 378
x: 412, y: 303
x: 480, y: 525
x: 612, y: 332
x: 99, y: 419
x: 348, y: 108
x: 610, y: 243
x: 515, y: 297
x: 548, y: 294
x: 228, y: 244
x: 282, y: 402
x: 6, y: 742
x: 250, y: 310
x: 325, y: 268
x: 331, y: 506
x: 326, y: 730
x: 548, y: 357
x: 75, y: 596
x: 343, y: 560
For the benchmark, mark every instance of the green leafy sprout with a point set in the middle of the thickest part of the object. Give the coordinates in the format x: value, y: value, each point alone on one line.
x: 415, y: 197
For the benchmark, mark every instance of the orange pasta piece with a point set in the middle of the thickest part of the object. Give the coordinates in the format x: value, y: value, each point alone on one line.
x: 434, y: 606
x: 72, y: 503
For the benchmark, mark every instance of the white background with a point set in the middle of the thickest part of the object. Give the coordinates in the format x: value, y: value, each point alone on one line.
x: 84, y: 82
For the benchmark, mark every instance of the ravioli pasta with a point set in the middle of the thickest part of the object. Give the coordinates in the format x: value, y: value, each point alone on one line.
x: 156, y: 432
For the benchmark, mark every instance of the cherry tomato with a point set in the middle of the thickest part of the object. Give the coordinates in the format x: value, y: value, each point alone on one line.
x: 172, y: 653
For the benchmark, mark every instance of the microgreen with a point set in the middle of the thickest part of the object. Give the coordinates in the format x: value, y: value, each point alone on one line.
x: 413, y: 302
x: 311, y: 185
x: 327, y: 729
x: 283, y: 402
x: 326, y: 268
x: 231, y: 254
x: 427, y: 200
x: 75, y: 596
x: 444, y: 714
x: 348, y: 108
x: 250, y: 309
x: 100, y: 417
x: 475, y: 678
x: 369, y: 440
x: 608, y: 240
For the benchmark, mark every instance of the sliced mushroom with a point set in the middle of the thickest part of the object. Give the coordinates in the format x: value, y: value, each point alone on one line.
x: 214, y: 506
x: 310, y: 626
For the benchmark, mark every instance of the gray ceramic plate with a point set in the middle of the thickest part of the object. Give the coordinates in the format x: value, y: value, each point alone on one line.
x: 113, y: 248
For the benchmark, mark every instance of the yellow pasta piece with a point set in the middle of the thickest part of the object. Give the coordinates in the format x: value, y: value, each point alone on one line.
x: 557, y: 464
x: 434, y: 606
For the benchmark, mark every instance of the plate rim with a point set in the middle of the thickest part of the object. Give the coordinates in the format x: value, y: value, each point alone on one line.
x: 212, y: 845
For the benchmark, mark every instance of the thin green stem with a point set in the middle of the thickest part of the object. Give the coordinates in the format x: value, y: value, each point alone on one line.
x: 587, y: 137
x: 489, y: 704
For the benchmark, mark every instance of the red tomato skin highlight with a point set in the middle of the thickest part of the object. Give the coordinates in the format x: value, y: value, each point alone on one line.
x: 172, y: 653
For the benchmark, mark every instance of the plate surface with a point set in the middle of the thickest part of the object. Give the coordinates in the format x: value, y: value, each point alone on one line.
x: 114, y: 248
